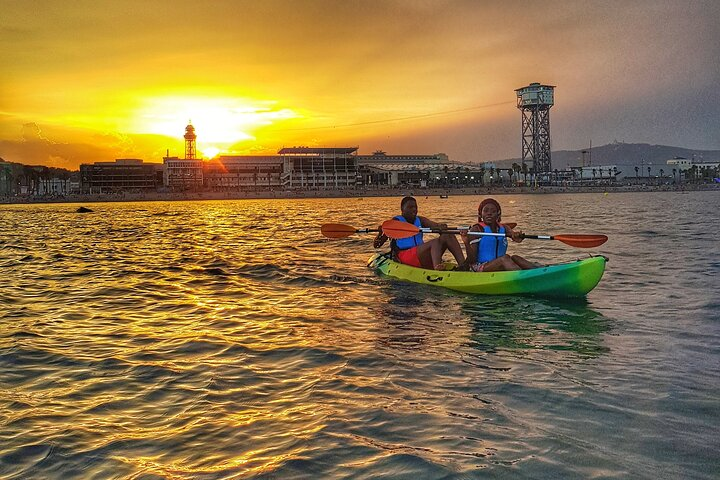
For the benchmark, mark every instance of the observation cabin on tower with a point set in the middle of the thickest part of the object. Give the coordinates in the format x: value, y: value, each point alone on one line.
x: 190, y: 139
x: 534, y: 102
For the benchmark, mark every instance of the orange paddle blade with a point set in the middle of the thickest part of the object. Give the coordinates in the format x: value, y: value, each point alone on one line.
x: 337, y: 230
x: 582, y: 241
x: 396, y: 229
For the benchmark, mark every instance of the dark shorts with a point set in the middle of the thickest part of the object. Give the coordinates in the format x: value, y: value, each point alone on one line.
x: 409, y: 257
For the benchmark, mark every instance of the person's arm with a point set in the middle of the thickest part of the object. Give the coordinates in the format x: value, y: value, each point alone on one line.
x: 514, y: 235
x: 427, y: 223
x: 380, y: 239
x: 470, y: 250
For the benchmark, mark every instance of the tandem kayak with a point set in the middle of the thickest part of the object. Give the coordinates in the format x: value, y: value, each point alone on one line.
x: 573, y: 279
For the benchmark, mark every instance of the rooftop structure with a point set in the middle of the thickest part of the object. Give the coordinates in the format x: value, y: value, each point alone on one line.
x: 384, y: 158
x: 317, y: 151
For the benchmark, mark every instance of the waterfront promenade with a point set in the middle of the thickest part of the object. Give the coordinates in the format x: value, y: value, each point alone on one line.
x: 345, y: 193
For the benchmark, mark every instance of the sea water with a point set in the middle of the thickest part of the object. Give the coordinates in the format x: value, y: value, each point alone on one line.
x: 229, y: 339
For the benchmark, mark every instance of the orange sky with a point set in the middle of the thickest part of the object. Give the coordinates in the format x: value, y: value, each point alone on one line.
x: 93, y: 81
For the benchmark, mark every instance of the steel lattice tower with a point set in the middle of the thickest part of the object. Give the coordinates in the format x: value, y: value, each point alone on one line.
x: 534, y: 102
x: 190, y: 138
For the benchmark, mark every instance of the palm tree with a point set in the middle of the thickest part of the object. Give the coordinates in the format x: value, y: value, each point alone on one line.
x: 8, y: 176
x: 28, y: 176
x: 516, y: 168
x: 674, y: 173
x: 662, y: 173
x: 482, y: 175
x: 648, y: 174
x: 492, y: 174
x: 45, y: 177
x: 65, y: 176
x: 637, y: 170
x: 525, y: 171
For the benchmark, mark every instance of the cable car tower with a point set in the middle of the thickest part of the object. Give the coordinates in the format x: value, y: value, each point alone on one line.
x: 534, y: 102
x: 190, y: 138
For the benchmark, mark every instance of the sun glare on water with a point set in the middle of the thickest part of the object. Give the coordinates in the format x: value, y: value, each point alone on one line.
x: 219, y: 122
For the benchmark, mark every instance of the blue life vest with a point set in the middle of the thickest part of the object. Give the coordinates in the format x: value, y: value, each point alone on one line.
x: 410, y: 242
x: 490, y: 247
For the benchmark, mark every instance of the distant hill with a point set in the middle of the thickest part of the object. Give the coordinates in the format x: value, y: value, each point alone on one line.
x: 622, y: 154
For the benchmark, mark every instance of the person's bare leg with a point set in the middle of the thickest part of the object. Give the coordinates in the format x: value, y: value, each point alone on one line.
x: 451, y: 243
x: 523, y: 263
x: 425, y: 254
x: 504, y: 263
x: 437, y: 249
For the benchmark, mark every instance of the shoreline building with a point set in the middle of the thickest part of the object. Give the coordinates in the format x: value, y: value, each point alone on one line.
x: 124, y: 174
x: 690, y: 168
x: 291, y: 168
x: 314, y: 167
x: 436, y: 170
x: 237, y: 172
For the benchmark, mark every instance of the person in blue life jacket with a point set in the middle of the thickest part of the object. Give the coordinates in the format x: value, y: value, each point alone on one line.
x: 488, y: 253
x: 415, y: 251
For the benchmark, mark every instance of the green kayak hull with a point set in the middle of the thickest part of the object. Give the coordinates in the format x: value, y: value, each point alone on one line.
x: 573, y: 279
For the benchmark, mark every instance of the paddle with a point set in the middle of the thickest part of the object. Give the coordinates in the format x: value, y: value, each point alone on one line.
x: 339, y: 230
x: 397, y: 229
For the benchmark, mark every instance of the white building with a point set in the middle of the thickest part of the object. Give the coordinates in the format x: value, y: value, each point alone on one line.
x: 183, y: 174
x: 682, y: 163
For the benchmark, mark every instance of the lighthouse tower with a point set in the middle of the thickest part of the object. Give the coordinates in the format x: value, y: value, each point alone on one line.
x: 190, y: 138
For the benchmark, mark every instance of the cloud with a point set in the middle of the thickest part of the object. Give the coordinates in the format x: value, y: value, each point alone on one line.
x: 31, y: 133
x: 34, y: 147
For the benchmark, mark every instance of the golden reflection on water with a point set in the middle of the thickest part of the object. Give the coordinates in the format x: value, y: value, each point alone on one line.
x: 216, y: 339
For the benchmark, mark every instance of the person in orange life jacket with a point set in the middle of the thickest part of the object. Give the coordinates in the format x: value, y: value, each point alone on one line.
x: 416, y: 252
x: 488, y: 253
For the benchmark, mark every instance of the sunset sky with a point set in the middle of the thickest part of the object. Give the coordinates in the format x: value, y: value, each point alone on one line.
x: 86, y: 81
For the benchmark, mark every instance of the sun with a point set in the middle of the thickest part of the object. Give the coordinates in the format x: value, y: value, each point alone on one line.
x: 210, y: 152
x: 219, y: 121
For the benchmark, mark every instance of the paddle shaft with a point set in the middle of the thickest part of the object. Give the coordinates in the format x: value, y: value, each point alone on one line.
x: 458, y: 231
x: 397, y: 229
